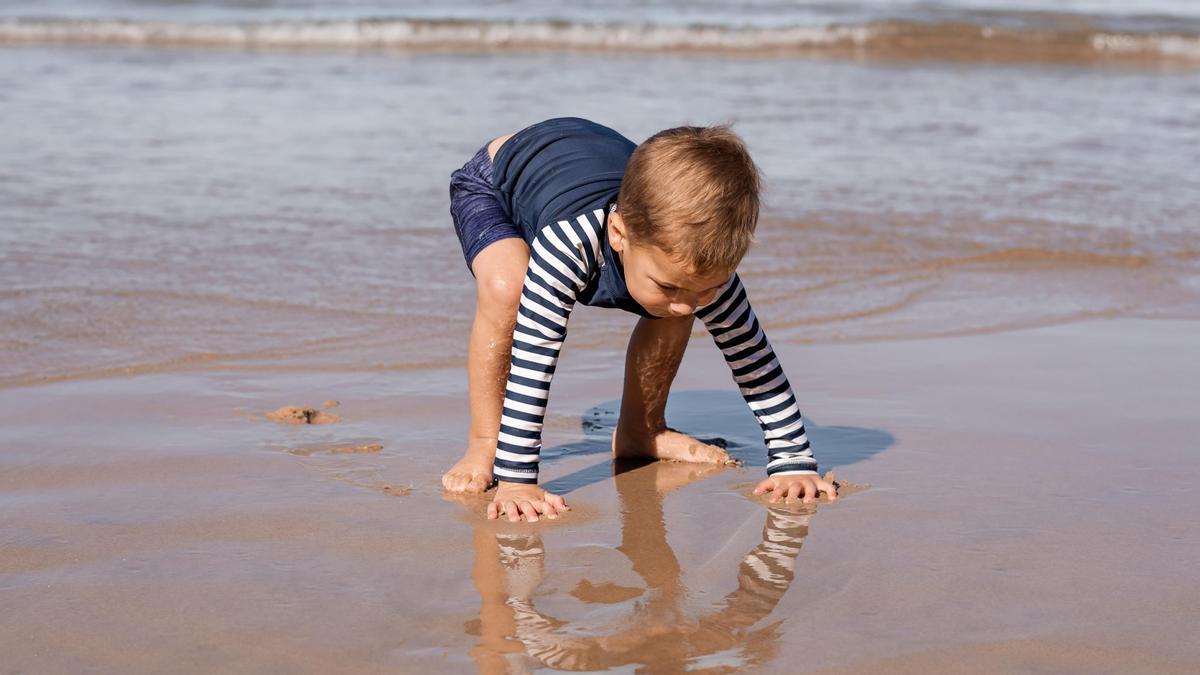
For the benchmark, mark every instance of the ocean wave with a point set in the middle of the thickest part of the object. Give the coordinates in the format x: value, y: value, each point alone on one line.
x: 887, y: 39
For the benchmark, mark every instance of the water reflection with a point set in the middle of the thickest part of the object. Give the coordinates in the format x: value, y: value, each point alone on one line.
x: 515, y: 636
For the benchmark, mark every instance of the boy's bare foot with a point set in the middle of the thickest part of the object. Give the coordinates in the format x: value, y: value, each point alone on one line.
x: 670, y: 444
x: 472, y: 473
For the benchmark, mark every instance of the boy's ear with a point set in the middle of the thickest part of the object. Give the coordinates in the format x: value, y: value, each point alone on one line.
x: 616, y: 232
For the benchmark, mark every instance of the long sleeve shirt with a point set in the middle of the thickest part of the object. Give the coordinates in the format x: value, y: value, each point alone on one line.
x: 556, y: 179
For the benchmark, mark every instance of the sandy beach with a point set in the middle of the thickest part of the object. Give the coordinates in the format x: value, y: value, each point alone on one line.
x: 1028, y: 505
x: 234, y: 317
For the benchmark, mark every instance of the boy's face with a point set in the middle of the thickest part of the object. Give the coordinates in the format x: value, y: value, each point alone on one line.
x: 664, y: 286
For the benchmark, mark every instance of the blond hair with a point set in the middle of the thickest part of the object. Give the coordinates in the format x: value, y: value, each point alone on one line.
x: 693, y: 192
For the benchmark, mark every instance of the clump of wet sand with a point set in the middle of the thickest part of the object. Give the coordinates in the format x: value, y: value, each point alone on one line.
x: 395, y: 490
x: 296, y: 415
x: 845, y: 487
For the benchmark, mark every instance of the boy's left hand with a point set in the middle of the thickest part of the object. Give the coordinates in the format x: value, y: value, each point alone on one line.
x: 790, y: 488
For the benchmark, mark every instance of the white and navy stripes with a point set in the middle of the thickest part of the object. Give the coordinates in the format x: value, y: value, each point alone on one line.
x: 562, y: 260
x: 731, y: 322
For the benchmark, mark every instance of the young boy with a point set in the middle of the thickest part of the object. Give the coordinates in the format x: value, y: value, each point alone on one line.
x: 567, y: 211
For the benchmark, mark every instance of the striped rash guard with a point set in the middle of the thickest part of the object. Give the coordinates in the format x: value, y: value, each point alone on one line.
x: 570, y: 261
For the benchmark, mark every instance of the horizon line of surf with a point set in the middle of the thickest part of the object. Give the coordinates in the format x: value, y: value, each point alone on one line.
x: 884, y: 39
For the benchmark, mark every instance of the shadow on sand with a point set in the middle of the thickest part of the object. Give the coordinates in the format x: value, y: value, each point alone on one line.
x: 716, y: 417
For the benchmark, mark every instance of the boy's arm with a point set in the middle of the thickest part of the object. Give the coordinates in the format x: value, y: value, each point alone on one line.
x: 731, y: 322
x: 561, y: 259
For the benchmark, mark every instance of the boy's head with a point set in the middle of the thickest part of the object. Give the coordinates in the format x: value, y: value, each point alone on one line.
x: 684, y: 217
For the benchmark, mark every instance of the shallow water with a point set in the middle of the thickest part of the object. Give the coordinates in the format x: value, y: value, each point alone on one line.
x: 169, y: 208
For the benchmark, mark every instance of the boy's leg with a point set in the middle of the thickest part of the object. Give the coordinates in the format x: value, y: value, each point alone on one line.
x: 499, y: 275
x: 655, y: 351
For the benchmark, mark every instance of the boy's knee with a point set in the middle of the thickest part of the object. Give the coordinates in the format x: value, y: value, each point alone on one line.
x: 499, y: 296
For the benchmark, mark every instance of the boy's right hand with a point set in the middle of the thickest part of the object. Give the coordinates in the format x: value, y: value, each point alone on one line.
x: 521, y: 499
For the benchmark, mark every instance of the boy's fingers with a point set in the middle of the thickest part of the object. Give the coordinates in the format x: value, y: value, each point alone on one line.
x: 797, y: 488
x: 529, y: 511
x: 779, y: 492
x: 793, y: 492
x: 830, y: 490
x: 547, y: 509
x: 493, y: 511
x: 557, y: 502
x: 807, y: 489
x: 478, y: 484
x: 810, y: 491
x: 510, y: 508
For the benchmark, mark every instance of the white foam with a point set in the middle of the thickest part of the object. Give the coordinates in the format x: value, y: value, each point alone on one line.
x: 423, y: 34
x: 1178, y: 46
x: 401, y: 33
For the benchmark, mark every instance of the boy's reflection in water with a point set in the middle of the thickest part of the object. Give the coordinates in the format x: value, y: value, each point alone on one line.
x: 515, y: 636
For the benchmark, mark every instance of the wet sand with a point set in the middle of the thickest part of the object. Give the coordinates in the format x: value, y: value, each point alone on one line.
x: 1030, y: 508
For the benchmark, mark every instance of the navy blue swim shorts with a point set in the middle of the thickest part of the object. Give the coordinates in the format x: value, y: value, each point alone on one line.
x: 479, y: 220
